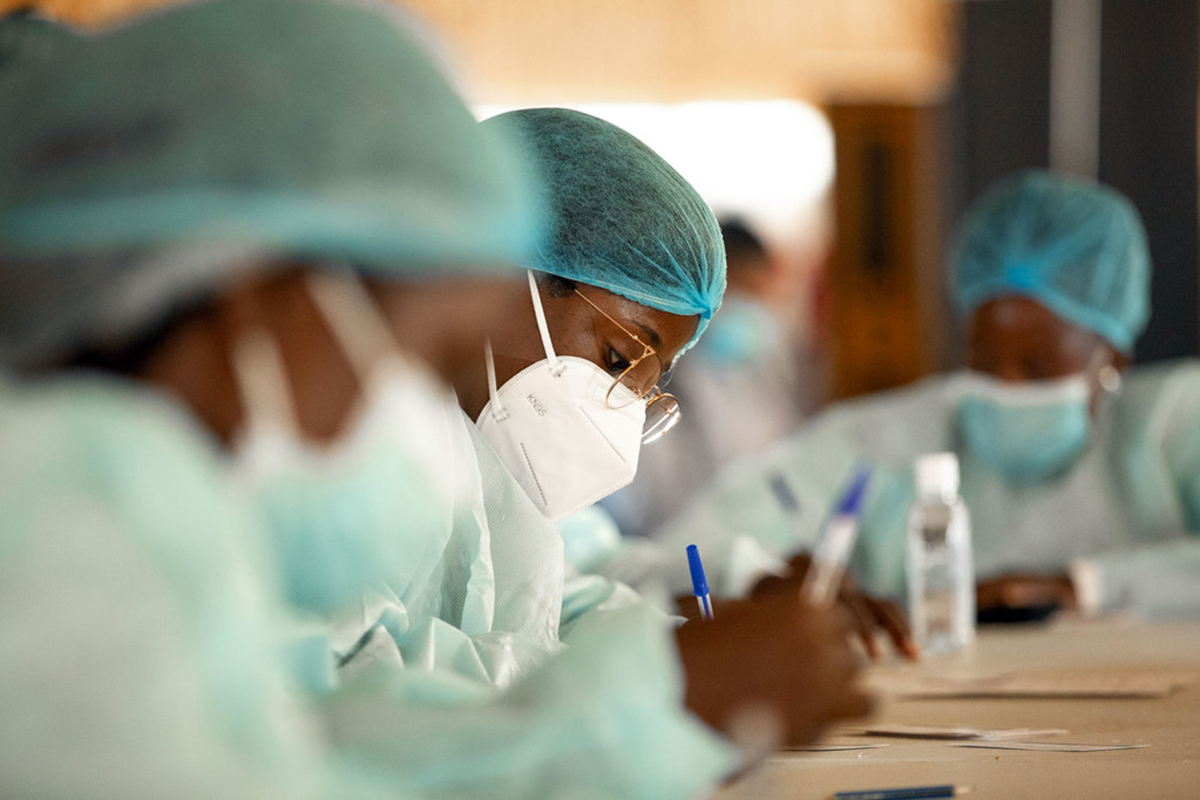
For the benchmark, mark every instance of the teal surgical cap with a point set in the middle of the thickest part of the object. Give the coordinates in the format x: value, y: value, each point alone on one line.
x: 25, y: 36
x: 139, y: 167
x: 1074, y: 246
x: 619, y: 216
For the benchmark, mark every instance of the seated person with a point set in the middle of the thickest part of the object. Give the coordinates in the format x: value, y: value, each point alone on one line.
x: 172, y: 192
x: 200, y: 397
x: 556, y: 407
x: 1082, y: 476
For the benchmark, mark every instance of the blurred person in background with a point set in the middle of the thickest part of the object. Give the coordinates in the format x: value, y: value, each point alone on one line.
x: 196, y: 379
x: 741, y: 388
x: 738, y: 392
x: 220, y: 253
x: 1082, y: 476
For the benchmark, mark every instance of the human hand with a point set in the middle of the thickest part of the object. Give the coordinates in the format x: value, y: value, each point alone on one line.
x: 687, y: 607
x: 867, y: 612
x: 1023, y: 590
x: 779, y: 654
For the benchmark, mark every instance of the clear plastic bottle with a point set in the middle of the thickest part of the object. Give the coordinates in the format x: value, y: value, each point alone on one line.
x: 941, y: 579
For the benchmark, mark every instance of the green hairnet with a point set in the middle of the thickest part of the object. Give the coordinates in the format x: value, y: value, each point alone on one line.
x: 619, y: 216
x: 138, y: 166
x: 1076, y: 247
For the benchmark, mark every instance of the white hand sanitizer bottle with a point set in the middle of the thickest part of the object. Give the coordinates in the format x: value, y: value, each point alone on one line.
x: 941, y: 580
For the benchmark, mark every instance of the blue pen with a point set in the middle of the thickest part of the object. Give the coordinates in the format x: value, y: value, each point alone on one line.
x: 907, y: 793
x: 699, y: 582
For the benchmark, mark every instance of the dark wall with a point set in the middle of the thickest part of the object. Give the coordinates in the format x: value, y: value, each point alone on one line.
x: 1148, y: 129
x: 1148, y: 94
x: 1004, y: 92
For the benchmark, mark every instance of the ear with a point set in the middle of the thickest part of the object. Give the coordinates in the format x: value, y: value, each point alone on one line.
x: 1120, y: 361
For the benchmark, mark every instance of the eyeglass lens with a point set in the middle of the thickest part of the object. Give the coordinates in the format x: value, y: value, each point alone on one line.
x: 640, y: 378
x: 662, y: 414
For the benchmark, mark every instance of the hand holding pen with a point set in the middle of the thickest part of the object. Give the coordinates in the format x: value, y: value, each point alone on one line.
x: 822, y: 578
x: 780, y: 654
x: 868, y: 613
x: 786, y: 654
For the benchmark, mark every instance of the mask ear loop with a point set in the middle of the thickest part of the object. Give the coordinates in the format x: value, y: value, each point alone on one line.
x: 498, y: 411
x: 263, y: 386
x: 1108, y: 378
x: 556, y: 366
x: 354, y: 320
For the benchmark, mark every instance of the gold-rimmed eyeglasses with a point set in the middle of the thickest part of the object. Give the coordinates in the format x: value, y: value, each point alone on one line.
x: 639, y: 381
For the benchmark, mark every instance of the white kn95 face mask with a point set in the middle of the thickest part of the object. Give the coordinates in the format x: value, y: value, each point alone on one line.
x: 554, y: 428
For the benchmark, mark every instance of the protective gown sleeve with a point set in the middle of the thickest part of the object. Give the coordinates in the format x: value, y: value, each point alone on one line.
x: 597, y: 714
x: 478, y: 590
x: 602, y: 719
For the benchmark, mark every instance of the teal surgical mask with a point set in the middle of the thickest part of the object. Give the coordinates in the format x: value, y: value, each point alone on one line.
x: 342, y: 515
x: 739, y: 335
x: 1025, y: 432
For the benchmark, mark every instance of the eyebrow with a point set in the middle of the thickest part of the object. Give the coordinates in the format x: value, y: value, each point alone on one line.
x: 655, y: 339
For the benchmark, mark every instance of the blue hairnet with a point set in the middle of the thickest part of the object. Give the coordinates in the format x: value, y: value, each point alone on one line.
x: 620, y: 217
x: 140, y: 167
x: 1076, y: 247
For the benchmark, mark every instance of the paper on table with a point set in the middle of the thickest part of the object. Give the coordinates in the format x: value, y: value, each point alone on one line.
x: 1059, y: 747
x: 827, y: 748
x: 958, y: 732
x: 1091, y: 683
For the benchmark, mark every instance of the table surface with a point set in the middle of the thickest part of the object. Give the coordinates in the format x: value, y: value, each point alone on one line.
x: 1168, y: 768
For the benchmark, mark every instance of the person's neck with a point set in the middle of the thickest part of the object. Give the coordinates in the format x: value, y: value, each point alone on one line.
x: 471, y: 386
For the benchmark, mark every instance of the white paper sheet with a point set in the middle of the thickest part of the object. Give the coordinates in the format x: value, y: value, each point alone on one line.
x: 828, y: 748
x: 1124, y: 683
x: 1057, y: 747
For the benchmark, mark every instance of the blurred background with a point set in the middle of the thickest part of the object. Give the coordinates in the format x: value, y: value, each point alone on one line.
x: 848, y: 134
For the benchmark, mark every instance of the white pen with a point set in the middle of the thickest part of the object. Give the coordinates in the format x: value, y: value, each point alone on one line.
x: 832, y: 555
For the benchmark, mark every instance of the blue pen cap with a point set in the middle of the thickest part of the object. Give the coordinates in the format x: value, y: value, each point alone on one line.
x: 783, y: 493
x: 852, y: 499
x: 699, y: 581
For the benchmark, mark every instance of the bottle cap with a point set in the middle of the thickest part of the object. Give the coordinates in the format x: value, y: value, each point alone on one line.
x: 936, y: 474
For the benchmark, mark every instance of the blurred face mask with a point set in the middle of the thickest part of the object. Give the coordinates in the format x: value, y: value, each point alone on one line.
x: 340, y: 514
x: 1026, y: 432
x: 740, y: 334
x: 557, y: 432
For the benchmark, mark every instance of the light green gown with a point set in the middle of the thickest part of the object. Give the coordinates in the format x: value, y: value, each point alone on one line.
x: 139, y: 643
x: 1131, y: 503
x: 145, y: 650
x: 455, y: 596
x: 559, y: 685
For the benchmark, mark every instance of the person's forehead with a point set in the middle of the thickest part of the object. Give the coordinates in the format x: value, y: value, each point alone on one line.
x: 1021, y: 323
x: 659, y: 328
x: 1015, y: 313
